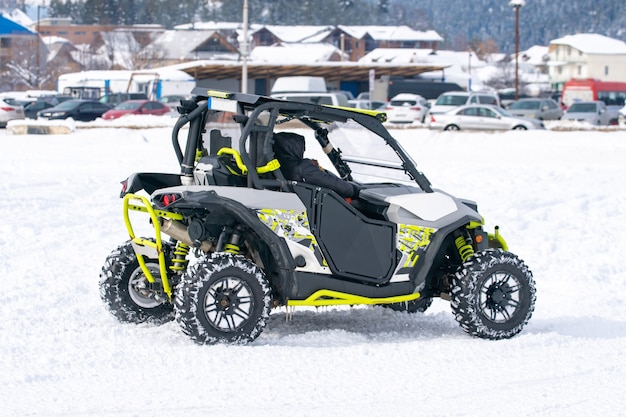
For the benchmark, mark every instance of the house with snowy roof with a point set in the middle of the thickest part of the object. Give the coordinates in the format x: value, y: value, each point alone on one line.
x: 176, y: 46
x: 586, y: 55
x: 18, y: 53
x: 354, y: 42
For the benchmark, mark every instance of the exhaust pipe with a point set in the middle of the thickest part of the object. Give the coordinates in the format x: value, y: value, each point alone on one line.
x: 178, y: 231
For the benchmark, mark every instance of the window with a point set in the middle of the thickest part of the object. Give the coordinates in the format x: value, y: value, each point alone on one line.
x: 606, y: 70
x: 487, y: 100
x: 472, y: 111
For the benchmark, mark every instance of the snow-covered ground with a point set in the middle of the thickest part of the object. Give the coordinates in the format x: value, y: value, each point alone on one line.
x: 558, y: 196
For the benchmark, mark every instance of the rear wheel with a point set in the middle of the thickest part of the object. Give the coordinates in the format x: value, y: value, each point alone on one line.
x: 520, y: 127
x: 126, y: 292
x: 493, y: 295
x: 224, y: 298
x: 451, y: 127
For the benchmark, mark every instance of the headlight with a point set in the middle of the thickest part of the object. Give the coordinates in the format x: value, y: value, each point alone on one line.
x: 57, y: 114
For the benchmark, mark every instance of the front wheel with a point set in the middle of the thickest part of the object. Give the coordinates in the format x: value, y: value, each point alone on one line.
x: 126, y: 292
x: 493, y: 295
x: 223, y: 298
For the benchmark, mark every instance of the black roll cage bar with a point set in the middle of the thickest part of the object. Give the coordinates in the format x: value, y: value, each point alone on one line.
x: 196, y: 111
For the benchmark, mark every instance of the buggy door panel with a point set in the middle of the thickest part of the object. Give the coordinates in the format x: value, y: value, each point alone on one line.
x: 353, y: 245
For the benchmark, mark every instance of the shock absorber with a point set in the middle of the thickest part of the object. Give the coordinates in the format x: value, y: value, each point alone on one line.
x: 179, y: 260
x: 229, y: 241
x: 464, y: 246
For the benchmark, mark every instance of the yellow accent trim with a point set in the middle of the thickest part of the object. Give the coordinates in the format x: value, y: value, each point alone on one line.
x: 474, y: 225
x: 157, y: 245
x: 218, y: 94
x: 272, y: 165
x: 232, y: 152
x: 374, y: 113
x: 498, y: 238
x: 329, y: 298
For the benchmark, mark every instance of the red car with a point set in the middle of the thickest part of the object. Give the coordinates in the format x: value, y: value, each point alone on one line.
x: 136, y: 107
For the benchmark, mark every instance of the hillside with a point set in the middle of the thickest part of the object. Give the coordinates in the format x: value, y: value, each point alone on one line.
x: 458, y: 21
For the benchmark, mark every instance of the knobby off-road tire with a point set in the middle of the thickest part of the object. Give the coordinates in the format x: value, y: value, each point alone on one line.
x: 415, y: 306
x: 223, y: 298
x: 493, y: 295
x: 124, y: 288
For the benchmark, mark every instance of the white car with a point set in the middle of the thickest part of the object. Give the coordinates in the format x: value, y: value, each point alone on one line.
x: 9, y: 112
x: 454, y: 99
x: 407, y: 108
x: 481, y: 117
x: 366, y: 104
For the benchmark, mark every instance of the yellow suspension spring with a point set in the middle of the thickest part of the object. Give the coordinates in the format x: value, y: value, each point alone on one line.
x: 464, y: 248
x: 179, y: 260
x: 231, y: 248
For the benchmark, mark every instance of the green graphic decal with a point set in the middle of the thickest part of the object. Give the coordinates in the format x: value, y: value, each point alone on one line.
x: 412, y: 241
x: 292, y: 225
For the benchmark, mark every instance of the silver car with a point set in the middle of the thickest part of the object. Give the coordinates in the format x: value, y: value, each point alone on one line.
x: 592, y: 112
x: 481, y: 117
x: 536, y: 108
x: 9, y: 112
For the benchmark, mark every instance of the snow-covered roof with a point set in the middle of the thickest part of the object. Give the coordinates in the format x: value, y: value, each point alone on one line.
x: 421, y: 56
x: 181, y: 44
x: 294, y: 53
x: 299, y: 33
x: 19, y: 17
x: 534, y: 55
x: 10, y: 27
x: 592, y: 43
x: 122, y: 75
x: 211, y: 25
x: 391, y: 33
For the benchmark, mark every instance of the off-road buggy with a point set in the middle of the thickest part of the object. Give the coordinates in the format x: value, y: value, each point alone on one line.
x: 243, y: 239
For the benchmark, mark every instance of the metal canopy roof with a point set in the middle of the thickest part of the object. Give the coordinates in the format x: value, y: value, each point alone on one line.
x: 331, y: 71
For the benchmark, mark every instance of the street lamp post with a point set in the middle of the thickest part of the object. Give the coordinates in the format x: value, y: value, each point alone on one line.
x: 244, y: 50
x: 516, y: 5
x: 37, y: 58
x: 469, y: 70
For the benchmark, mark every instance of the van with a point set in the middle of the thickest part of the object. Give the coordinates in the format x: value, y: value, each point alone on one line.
x: 331, y: 99
x: 299, y: 84
x: 453, y: 99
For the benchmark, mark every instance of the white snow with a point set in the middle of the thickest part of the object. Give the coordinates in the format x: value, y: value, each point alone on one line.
x: 558, y: 196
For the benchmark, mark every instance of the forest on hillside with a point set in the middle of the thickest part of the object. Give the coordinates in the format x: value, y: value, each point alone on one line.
x: 459, y: 22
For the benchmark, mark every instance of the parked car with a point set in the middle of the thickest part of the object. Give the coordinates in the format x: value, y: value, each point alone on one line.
x: 452, y: 99
x: 138, y: 107
x: 31, y: 109
x: 536, y: 108
x: 331, y: 98
x: 173, y: 101
x: 593, y: 112
x: 80, y: 110
x: 9, y: 112
x: 406, y: 108
x: 366, y: 104
x: 113, y: 99
x: 481, y: 117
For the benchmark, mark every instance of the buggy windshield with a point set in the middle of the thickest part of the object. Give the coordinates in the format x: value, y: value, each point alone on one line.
x: 367, y: 154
